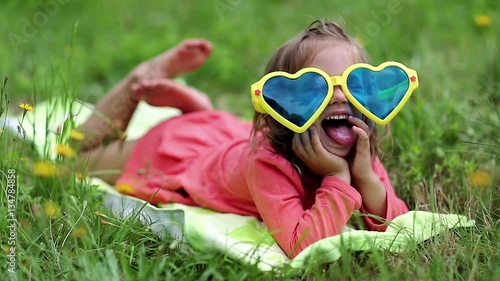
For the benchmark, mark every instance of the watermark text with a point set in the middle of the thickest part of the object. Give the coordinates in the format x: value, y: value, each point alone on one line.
x: 10, y: 249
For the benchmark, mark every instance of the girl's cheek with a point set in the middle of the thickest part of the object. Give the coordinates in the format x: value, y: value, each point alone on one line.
x: 356, y: 113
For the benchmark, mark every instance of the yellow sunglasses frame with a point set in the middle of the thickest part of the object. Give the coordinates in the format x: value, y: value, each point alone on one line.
x: 261, y: 106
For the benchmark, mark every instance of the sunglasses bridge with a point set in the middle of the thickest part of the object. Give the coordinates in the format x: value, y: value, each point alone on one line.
x: 337, y: 81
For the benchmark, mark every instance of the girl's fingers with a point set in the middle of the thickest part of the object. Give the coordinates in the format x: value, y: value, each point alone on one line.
x: 316, y: 143
x: 297, y: 145
x: 360, y: 124
x: 363, y: 138
x: 306, y: 141
x: 361, y: 133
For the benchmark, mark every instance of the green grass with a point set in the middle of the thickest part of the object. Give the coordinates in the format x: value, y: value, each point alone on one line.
x: 448, y: 131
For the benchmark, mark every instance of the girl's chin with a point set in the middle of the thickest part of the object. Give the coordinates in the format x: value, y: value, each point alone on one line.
x: 341, y: 152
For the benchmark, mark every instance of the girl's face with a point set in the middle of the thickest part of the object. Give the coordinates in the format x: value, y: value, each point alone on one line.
x: 334, y: 131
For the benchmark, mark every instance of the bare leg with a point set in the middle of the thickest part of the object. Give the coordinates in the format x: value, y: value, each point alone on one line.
x: 112, y: 114
x: 115, y: 109
x: 107, y: 161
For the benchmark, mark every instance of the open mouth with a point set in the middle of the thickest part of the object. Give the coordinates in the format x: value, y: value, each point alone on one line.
x: 338, y: 129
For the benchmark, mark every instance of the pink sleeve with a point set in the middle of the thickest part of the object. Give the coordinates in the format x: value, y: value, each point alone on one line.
x: 395, y: 206
x: 278, y: 195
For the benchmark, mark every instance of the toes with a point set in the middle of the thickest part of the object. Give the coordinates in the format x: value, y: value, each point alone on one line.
x: 205, y: 46
x: 196, y: 45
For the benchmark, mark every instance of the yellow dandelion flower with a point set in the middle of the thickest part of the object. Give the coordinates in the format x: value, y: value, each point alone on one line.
x: 76, y: 135
x: 125, y: 188
x: 44, y: 169
x: 483, y: 20
x: 80, y: 176
x: 65, y: 151
x: 26, y: 107
x: 480, y: 178
x: 51, y: 210
x: 79, y: 232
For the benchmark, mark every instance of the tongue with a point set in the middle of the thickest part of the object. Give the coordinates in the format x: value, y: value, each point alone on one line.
x: 340, y: 134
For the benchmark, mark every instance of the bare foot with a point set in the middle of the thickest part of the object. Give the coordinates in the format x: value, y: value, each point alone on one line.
x: 165, y: 92
x: 184, y: 57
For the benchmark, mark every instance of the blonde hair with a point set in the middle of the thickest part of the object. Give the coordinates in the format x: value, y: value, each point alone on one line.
x: 291, y: 57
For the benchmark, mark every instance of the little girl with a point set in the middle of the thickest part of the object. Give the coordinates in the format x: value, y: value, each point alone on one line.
x: 304, y: 187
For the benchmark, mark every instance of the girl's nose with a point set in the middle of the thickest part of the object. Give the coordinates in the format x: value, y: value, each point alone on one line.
x: 338, y: 96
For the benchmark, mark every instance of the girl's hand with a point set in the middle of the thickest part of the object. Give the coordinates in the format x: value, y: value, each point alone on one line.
x: 309, y: 149
x: 368, y: 184
x: 361, y: 164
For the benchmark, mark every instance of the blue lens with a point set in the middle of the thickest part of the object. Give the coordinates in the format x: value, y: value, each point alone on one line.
x: 378, y: 91
x: 296, y: 99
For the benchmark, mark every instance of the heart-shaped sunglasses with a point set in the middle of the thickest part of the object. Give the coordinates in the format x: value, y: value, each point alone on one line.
x: 297, y: 100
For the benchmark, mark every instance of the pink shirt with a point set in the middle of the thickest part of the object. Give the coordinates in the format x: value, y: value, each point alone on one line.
x: 205, y: 159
